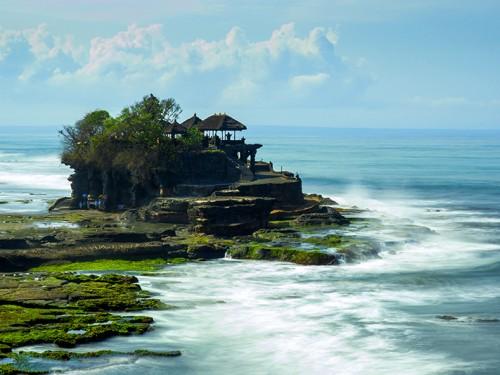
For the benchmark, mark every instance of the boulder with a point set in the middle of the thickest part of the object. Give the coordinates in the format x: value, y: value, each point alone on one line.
x: 64, y: 203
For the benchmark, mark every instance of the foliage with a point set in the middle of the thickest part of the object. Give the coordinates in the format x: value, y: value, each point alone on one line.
x: 77, y: 138
x: 135, y: 141
x: 193, y: 139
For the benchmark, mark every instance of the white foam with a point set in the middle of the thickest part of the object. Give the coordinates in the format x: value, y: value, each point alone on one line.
x: 35, y: 181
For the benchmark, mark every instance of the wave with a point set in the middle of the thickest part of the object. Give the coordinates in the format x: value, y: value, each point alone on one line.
x: 36, y: 181
x: 426, y: 237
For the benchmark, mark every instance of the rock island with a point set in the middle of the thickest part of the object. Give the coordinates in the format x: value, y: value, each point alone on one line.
x: 148, y: 192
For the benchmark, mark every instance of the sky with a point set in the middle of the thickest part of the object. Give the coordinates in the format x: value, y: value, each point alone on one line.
x: 328, y: 63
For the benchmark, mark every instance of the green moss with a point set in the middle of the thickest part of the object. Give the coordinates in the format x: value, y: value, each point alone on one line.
x: 13, y: 370
x: 258, y: 251
x: 109, y: 265
x: 49, y: 308
x: 276, y: 234
x: 278, y: 224
x: 62, y: 355
x: 195, y: 239
x: 331, y: 240
x: 149, y: 353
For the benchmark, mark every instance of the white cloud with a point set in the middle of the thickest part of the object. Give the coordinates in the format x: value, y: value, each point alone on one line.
x: 304, y: 82
x: 233, y: 69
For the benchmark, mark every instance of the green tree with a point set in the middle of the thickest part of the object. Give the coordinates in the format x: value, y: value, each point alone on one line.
x: 135, y: 141
x: 77, y: 139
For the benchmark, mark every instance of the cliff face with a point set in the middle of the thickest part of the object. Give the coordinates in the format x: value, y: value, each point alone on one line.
x: 112, y: 189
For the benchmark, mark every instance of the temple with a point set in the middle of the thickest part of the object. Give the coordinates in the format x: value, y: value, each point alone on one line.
x: 225, y: 165
x: 221, y: 131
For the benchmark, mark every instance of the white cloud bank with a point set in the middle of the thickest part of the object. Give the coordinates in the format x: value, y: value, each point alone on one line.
x: 284, y: 69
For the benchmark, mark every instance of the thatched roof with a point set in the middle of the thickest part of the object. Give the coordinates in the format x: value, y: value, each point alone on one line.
x: 192, y: 122
x: 221, y: 122
x: 175, y: 128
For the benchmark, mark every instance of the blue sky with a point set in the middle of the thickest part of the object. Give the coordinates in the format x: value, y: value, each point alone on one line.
x: 339, y: 63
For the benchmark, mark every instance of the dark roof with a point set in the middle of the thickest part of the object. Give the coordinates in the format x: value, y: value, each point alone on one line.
x: 191, y: 122
x: 221, y: 122
x: 176, y: 128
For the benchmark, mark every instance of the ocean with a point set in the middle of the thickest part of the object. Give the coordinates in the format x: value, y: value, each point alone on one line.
x: 433, y: 200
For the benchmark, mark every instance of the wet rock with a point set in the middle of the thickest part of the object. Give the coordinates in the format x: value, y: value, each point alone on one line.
x: 63, y: 203
x: 14, y: 243
x: 447, y: 317
x: 276, y: 234
x: 166, y: 210
x: 121, y: 237
x: 206, y: 252
x: 325, y: 201
x: 284, y: 254
x: 329, y: 216
x: 229, y: 216
x: 50, y: 238
x: 69, y: 309
x: 13, y: 260
x: 285, y: 190
x: 167, y: 233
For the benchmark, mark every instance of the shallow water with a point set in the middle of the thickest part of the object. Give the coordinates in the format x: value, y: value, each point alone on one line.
x: 434, y: 202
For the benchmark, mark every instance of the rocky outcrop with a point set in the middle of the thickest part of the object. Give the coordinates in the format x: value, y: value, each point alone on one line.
x: 229, y: 216
x: 284, y: 254
x: 15, y: 260
x: 48, y: 308
x: 166, y: 210
x: 283, y: 190
x: 324, y: 201
x: 203, y: 171
x: 327, y: 216
x: 225, y: 216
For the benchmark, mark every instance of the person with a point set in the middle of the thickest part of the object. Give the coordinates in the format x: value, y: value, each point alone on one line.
x: 162, y: 191
x: 90, y: 201
x: 100, y: 202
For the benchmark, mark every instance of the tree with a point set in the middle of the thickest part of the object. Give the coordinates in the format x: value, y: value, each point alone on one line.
x: 77, y: 139
x: 135, y: 141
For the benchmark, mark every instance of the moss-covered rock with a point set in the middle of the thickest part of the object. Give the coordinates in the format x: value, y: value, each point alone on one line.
x: 69, y: 309
x: 10, y: 369
x: 267, y: 252
x: 145, y: 265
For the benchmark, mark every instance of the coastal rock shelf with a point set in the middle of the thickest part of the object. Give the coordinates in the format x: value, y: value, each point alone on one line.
x: 68, y: 309
x: 93, y: 235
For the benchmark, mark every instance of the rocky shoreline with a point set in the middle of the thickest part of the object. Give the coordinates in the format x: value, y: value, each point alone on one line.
x: 47, y: 304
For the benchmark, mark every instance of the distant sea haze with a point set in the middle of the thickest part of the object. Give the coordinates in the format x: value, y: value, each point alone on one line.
x: 433, y: 205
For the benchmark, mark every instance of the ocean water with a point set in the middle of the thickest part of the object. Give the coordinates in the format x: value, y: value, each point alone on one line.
x: 433, y: 198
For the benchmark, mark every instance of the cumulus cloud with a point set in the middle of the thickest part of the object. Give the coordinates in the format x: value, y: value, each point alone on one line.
x: 282, y: 68
x: 304, y: 82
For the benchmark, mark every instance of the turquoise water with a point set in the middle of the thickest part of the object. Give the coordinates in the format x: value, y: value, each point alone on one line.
x: 434, y: 199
